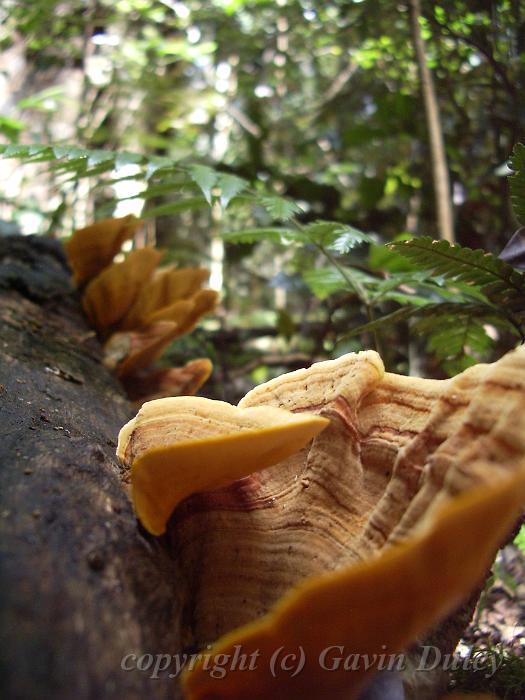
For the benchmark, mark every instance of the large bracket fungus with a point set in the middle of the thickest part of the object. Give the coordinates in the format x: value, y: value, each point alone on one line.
x: 364, y: 535
x: 139, y: 309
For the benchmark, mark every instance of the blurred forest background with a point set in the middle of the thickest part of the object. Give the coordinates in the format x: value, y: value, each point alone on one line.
x: 295, y: 125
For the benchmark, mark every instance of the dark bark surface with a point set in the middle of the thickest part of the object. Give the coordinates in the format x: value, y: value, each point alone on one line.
x: 81, y: 586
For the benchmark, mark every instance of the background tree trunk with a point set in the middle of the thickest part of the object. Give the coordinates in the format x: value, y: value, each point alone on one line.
x: 82, y: 586
x: 435, y: 132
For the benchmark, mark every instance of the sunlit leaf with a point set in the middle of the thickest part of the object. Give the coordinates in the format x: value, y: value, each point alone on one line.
x: 280, y: 208
x: 205, y: 178
x: 230, y: 186
x: 349, y: 238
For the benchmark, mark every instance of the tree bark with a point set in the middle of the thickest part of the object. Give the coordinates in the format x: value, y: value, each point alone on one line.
x: 435, y: 131
x: 82, y: 586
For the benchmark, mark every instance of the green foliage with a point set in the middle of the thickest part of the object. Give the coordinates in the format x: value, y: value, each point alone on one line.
x: 460, y: 300
x: 489, y: 299
x: 491, y: 670
x: 517, y: 182
x: 326, y: 236
x: 11, y: 128
x: 206, y: 178
x: 456, y: 298
x: 255, y: 235
x: 160, y: 175
x: 459, y: 334
x: 325, y: 281
x: 347, y: 239
x: 497, y: 280
x: 230, y: 186
x: 456, y: 333
x: 280, y: 208
x: 519, y: 541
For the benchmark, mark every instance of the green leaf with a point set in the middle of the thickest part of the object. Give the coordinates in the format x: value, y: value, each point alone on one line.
x: 456, y: 332
x: 280, y: 208
x: 404, y: 287
x: 190, y: 203
x: 325, y: 281
x: 381, y: 257
x: 11, y: 128
x: 166, y: 187
x: 127, y: 158
x: 517, y: 182
x: 41, y: 99
x: 402, y: 298
x: 230, y: 186
x: 281, y: 236
x: 205, y: 178
x: 519, y: 540
x: 96, y: 170
x: 69, y: 165
x: 349, y: 238
x: 14, y: 150
x: 158, y: 163
x: 98, y: 157
x: 323, y: 233
x: 69, y: 152
x: 402, y: 314
x: 332, y: 235
x: 40, y: 150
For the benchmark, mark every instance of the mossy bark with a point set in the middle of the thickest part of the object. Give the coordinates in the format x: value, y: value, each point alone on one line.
x: 81, y: 585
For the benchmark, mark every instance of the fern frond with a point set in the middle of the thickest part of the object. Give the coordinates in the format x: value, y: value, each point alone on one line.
x: 335, y: 236
x: 349, y: 238
x: 280, y: 208
x: 457, y: 334
x: 499, y: 282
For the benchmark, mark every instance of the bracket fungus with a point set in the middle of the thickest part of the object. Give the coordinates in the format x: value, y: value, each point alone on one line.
x: 110, y: 294
x: 203, y: 445
x: 170, y: 381
x: 362, y: 538
x: 91, y: 249
x: 139, y: 309
x: 167, y: 286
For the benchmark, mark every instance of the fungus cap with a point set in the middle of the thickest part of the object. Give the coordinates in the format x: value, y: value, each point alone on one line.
x: 91, y: 249
x: 180, y: 446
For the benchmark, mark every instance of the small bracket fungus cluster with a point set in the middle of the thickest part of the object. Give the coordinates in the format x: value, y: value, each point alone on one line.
x: 138, y: 309
x: 336, y: 506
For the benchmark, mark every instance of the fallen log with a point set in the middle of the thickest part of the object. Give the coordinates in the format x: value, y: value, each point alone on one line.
x: 82, y: 586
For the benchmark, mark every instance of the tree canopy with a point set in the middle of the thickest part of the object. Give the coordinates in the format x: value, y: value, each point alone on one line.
x: 269, y: 111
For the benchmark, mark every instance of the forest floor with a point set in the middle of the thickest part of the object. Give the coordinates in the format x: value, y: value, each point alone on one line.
x: 495, y: 640
x: 500, y: 615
